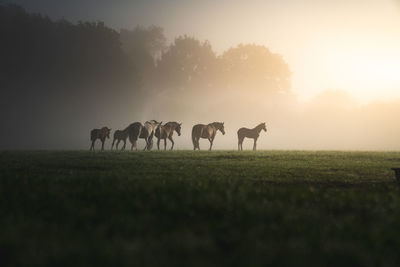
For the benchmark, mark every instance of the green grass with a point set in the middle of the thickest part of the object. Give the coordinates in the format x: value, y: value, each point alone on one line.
x: 185, y: 208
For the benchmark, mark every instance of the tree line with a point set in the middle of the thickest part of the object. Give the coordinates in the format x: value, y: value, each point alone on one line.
x: 58, y: 78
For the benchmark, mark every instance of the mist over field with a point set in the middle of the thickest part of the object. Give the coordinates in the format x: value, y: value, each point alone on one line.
x: 61, y: 76
x: 320, y: 185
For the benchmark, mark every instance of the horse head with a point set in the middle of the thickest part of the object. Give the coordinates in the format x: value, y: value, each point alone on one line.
x: 108, y: 131
x: 221, y: 127
x: 264, y: 127
x: 178, y: 128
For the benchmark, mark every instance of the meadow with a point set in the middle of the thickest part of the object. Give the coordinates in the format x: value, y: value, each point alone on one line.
x: 185, y: 208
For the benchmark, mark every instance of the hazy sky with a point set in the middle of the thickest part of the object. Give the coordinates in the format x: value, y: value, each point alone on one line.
x: 351, y: 45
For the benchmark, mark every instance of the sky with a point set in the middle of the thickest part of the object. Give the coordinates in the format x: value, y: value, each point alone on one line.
x: 349, y: 45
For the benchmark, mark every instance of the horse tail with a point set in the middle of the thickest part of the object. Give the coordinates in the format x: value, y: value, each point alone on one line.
x: 240, y: 135
x: 140, y: 128
x: 194, y: 137
x: 93, y: 134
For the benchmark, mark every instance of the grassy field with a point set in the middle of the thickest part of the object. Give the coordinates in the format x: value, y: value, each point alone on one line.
x: 185, y: 208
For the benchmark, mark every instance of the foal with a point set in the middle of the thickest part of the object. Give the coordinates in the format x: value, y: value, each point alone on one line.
x: 120, y: 135
x: 101, y: 134
x: 250, y: 133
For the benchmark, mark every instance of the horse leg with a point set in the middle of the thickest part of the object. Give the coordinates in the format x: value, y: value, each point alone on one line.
x: 116, y: 146
x: 134, y: 144
x: 123, y: 147
x: 211, y: 143
x: 165, y: 144
x: 172, y: 141
x: 158, y: 143
x: 102, y: 145
x: 151, y: 142
x: 255, y: 144
x: 147, y: 144
x: 150, y: 146
x: 92, y: 146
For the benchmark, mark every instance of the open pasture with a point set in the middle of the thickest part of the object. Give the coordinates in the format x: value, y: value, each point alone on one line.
x: 220, y: 208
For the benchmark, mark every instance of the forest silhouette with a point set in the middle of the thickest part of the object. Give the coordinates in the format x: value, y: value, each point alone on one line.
x: 59, y: 80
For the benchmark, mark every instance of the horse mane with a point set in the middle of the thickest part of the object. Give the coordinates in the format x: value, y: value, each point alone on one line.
x: 259, y: 126
x: 215, y: 123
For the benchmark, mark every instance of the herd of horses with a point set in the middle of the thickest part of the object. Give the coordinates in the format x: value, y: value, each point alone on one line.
x: 165, y: 131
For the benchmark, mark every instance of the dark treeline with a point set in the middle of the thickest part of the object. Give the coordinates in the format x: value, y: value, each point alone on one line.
x: 60, y: 79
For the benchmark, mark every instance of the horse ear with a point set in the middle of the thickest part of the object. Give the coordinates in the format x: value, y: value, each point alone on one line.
x: 180, y: 124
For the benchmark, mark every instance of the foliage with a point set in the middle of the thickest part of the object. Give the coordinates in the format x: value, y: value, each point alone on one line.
x: 254, y: 66
x: 187, y: 64
x: 144, y: 46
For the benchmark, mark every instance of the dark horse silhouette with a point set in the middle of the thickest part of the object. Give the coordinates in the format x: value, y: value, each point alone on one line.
x: 166, y: 131
x: 101, y: 134
x: 206, y: 131
x: 134, y: 130
x: 250, y: 133
x: 120, y: 135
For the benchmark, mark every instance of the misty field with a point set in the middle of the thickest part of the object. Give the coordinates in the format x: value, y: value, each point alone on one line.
x: 220, y: 208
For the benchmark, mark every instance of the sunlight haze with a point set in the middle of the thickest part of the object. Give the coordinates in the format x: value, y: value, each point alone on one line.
x: 322, y: 74
x: 345, y: 45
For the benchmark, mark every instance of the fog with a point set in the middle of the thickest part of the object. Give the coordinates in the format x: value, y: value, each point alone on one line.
x: 61, y: 79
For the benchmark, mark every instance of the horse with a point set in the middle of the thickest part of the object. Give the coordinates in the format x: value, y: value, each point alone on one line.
x: 101, y: 134
x: 250, y: 133
x: 148, y: 132
x: 206, y: 131
x: 134, y: 130
x: 166, y: 131
x: 120, y: 135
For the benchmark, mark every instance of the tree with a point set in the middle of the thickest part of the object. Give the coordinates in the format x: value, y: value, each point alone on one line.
x: 59, y: 76
x: 144, y: 46
x: 187, y: 64
x: 254, y: 67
